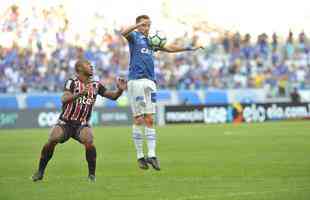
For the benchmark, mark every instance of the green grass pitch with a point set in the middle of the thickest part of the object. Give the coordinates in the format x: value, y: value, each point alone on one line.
x: 268, y: 161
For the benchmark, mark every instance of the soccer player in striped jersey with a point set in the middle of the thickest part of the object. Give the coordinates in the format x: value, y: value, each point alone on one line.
x: 77, y: 102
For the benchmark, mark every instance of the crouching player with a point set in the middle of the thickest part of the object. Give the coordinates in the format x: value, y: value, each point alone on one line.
x: 77, y: 102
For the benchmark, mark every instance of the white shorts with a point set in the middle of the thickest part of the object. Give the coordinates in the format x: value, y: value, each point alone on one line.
x: 142, y: 96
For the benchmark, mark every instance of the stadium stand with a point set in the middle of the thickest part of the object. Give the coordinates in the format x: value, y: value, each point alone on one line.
x: 41, y: 53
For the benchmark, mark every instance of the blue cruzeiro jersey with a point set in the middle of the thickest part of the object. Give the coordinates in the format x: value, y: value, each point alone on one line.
x: 141, y: 57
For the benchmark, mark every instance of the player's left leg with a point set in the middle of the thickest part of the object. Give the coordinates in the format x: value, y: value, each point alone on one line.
x: 150, y: 134
x: 137, y: 136
x: 136, y: 97
x: 86, y: 138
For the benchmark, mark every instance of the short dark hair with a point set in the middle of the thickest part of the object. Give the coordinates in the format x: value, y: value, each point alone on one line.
x: 80, y: 63
x: 141, y: 17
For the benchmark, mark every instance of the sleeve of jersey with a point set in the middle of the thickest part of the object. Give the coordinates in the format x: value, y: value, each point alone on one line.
x: 69, y: 85
x: 131, y: 37
x: 101, y: 89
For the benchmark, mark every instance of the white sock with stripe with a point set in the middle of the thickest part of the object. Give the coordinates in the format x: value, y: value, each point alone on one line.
x: 150, y: 134
x: 138, y: 140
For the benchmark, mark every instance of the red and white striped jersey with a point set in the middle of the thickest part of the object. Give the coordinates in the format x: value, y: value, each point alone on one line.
x: 79, y: 111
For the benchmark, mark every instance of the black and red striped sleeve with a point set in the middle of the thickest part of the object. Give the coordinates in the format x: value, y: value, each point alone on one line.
x: 69, y: 85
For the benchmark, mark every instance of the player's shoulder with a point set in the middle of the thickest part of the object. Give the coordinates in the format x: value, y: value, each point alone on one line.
x: 72, y: 78
x: 69, y: 84
x: 134, y: 35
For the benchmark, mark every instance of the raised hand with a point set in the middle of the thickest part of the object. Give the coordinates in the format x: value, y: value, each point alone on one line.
x: 121, y: 83
x: 143, y: 22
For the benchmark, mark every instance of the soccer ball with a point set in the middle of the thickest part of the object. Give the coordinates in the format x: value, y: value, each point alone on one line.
x: 157, y: 40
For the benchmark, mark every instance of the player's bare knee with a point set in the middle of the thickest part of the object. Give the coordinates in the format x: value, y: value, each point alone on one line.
x: 86, y: 136
x: 139, y: 120
x: 149, y: 122
x: 55, y: 135
x: 88, y: 143
x: 55, y: 138
x: 88, y: 140
x: 52, y: 140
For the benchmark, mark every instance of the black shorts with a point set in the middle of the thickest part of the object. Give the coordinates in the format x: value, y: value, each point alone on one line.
x: 70, y: 130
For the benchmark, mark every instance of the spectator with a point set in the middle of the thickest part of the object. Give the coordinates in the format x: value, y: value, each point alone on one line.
x: 295, y: 97
x: 46, y: 48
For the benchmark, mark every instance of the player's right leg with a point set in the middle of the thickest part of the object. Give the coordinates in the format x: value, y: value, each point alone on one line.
x: 137, y: 102
x: 56, y: 136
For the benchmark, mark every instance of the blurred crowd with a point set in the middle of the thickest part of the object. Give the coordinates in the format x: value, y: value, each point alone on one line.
x: 44, y: 50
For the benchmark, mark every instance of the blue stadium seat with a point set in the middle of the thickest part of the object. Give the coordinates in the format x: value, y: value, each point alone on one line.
x: 216, y: 97
x: 8, y: 102
x: 43, y: 101
x: 189, y: 97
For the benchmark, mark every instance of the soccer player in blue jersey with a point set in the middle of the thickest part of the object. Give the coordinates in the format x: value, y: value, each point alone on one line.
x: 142, y: 87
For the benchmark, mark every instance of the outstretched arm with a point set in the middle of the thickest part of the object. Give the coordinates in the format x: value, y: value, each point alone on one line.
x: 175, y: 48
x: 113, y: 95
x: 125, y: 33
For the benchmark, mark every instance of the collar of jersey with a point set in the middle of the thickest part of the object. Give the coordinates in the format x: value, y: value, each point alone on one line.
x: 142, y: 34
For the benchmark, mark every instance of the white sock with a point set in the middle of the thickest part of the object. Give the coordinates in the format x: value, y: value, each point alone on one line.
x: 138, y: 140
x: 150, y: 134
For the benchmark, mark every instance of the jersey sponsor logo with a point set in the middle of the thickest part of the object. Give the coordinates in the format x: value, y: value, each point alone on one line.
x: 146, y: 51
x: 84, y: 100
x: 81, y: 108
x: 91, y: 93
